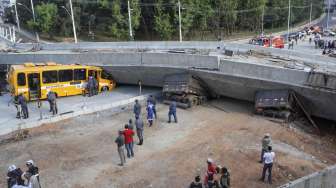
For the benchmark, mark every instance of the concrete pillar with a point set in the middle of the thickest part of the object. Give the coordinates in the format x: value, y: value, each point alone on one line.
x: 10, y: 34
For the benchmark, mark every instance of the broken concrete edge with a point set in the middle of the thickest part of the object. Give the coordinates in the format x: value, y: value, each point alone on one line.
x: 127, y: 103
x: 324, y: 178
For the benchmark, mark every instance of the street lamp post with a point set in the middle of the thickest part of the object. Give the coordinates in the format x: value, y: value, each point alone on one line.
x: 17, y: 17
x: 34, y: 18
x: 289, y: 15
x: 129, y: 20
x: 262, y: 20
x: 328, y: 14
x: 73, y: 21
x: 180, y: 21
x: 311, y: 12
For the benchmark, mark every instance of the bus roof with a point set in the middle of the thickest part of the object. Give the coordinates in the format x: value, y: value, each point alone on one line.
x: 47, y: 66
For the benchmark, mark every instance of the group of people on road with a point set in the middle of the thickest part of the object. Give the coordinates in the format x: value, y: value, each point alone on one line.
x: 20, y: 103
x: 125, y: 137
x: 16, y: 178
x: 215, y: 177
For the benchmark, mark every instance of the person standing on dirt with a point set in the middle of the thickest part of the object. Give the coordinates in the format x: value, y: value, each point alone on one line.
x: 32, y: 180
x: 211, y: 170
x: 137, y: 108
x: 24, y: 107
x: 120, y: 141
x: 197, y: 183
x: 14, y: 174
x: 268, y: 164
x: 33, y: 169
x: 129, y: 133
x: 150, y: 114
x: 130, y: 124
x: 139, y: 124
x: 52, y: 102
x: 152, y: 100
x: 172, y: 111
x: 225, y: 178
x: 265, y: 143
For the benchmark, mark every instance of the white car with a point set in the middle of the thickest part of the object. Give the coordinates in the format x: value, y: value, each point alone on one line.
x: 328, y: 33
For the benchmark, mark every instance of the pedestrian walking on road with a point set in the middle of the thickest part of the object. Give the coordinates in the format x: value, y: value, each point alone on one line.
x: 150, y: 114
x: 139, y: 124
x: 225, y: 178
x: 265, y: 143
x: 120, y: 141
x: 172, y: 112
x: 23, y: 103
x: 196, y: 183
x: 268, y: 164
x: 152, y: 100
x: 52, y: 102
x: 129, y: 133
x: 90, y: 86
x: 137, y: 109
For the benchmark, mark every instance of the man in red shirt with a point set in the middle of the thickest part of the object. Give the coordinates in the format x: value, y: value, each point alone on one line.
x: 128, y: 133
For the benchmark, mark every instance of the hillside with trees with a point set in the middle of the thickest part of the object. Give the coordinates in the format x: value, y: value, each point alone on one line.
x: 108, y: 20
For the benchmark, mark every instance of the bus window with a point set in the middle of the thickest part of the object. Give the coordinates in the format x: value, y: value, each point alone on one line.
x: 49, y: 77
x: 21, y: 79
x: 106, y: 75
x: 65, y: 75
x: 79, y: 74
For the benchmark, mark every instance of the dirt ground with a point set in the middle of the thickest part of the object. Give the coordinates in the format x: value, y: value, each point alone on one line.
x: 81, y: 153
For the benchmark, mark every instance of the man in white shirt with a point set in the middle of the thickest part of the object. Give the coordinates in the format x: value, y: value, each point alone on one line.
x: 268, y: 159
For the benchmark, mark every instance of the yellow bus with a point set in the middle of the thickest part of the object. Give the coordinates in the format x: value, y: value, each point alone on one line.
x: 34, y: 81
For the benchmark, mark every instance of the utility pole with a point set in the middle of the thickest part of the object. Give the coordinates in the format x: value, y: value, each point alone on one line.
x: 129, y: 20
x: 289, y: 15
x: 33, y: 11
x: 73, y: 21
x: 17, y: 17
x: 328, y: 14
x: 311, y: 12
x: 262, y: 20
x: 180, y: 22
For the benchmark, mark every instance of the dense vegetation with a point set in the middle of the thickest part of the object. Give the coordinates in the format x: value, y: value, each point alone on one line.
x: 158, y: 19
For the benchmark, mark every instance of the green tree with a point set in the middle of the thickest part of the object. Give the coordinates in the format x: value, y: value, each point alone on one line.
x: 46, y: 18
x: 163, y: 19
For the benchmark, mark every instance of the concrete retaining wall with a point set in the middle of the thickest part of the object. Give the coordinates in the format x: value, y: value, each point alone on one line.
x: 322, y: 179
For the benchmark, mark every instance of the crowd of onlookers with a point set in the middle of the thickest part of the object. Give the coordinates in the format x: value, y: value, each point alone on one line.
x: 16, y: 178
x: 219, y: 177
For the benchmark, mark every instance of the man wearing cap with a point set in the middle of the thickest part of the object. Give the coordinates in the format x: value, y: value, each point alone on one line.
x: 120, y: 141
x: 265, y: 142
x: 197, y: 183
x: 14, y: 174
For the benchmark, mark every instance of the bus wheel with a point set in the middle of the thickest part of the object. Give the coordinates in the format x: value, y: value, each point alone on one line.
x: 104, y: 89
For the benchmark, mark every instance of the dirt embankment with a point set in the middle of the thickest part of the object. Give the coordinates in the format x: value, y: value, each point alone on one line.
x: 80, y: 153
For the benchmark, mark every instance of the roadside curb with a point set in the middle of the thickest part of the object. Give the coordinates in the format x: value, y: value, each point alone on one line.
x: 85, y: 110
